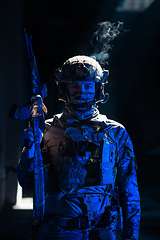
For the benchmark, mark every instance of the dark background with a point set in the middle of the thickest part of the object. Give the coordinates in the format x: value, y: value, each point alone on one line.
x: 62, y: 29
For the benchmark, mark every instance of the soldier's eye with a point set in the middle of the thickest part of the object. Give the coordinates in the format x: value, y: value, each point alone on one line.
x: 74, y: 86
x: 87, y: 87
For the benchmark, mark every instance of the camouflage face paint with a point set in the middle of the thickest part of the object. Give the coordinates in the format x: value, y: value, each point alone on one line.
x: 81, y: 92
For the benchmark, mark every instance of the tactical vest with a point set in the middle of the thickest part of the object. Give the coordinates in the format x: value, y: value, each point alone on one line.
x: 86, y: 157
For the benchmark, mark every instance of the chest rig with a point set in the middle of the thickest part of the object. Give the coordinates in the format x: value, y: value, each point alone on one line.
x: 86, y: 157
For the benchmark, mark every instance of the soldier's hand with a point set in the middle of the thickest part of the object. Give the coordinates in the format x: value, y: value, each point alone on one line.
x: 28, y: 141
x: 27, y: 138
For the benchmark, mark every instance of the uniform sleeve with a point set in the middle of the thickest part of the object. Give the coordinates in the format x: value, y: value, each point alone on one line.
x: 25, y: 172
x: 128, y: 189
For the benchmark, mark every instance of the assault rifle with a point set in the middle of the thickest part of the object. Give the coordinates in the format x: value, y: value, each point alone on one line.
x: 36, y: 92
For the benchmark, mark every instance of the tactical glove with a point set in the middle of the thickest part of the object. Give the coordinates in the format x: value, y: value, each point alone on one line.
x: 28, y: 141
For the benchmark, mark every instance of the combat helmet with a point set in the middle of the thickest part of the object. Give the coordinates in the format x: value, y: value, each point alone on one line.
x: 81, y: 68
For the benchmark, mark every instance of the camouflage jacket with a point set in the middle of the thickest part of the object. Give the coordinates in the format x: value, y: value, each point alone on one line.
x: 124, y: 160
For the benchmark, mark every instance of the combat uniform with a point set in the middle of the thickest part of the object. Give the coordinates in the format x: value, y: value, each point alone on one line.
x: 90, y: 178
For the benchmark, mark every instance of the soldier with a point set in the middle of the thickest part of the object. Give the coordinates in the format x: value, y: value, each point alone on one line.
x: 90, y: 167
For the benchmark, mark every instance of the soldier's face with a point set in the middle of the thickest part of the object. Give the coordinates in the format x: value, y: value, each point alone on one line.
x: 81, y: 92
